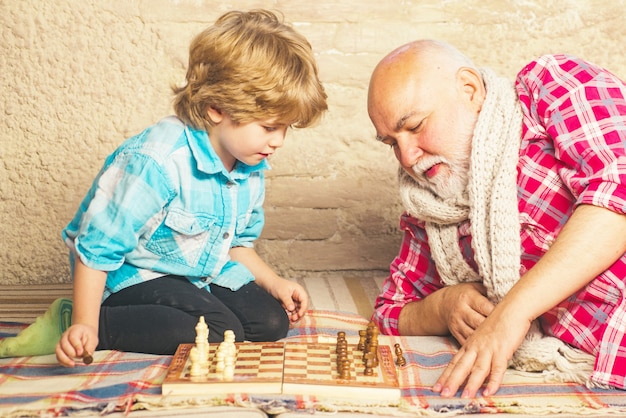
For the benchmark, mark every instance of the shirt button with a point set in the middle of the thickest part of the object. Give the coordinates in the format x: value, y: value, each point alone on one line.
x: 226, y: 235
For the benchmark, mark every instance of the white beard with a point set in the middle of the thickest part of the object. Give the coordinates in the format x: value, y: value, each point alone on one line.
x: 451, y: 184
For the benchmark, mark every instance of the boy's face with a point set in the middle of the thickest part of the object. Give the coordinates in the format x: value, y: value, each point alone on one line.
x: 248, y: 142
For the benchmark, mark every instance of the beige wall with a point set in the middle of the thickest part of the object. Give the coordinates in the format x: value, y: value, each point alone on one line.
x: 77, y: 77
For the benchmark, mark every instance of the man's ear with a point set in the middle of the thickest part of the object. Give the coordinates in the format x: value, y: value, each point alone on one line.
x: 472, y: 86
x: 214, y: 115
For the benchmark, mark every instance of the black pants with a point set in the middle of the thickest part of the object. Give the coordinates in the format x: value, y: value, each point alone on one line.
x: 156, y: 316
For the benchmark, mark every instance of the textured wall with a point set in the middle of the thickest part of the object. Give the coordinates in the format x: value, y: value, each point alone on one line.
x: 77, y: 77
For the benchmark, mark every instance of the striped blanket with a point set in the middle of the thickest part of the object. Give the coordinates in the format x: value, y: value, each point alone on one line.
x: 122, y: 383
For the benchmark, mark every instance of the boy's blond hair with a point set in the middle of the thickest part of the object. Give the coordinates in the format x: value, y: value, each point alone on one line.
x: 251, y: 66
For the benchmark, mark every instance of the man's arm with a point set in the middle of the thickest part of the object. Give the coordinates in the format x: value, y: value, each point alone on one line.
x: 590, y: 242
x: 456, y: 310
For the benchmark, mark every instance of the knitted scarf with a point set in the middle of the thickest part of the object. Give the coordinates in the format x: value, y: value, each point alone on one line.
x: 490, y: 203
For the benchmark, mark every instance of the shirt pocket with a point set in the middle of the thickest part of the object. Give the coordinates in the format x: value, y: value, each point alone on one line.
x: 242, y: 222
x: 182, y: 237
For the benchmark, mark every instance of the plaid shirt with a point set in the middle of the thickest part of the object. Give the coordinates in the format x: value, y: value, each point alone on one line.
x: 164, y: 204
x: 573, y: 151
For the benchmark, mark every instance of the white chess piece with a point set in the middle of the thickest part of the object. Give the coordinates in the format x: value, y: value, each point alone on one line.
x: 229, y: 372
x: 202, y: 348
x: 219, y: 361
x: 195, y: 368
x: 202, y: 332
x: 226, y: 355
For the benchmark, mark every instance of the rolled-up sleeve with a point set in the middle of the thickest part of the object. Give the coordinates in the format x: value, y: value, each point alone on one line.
x: 583, y: 109
x: 412, y: 276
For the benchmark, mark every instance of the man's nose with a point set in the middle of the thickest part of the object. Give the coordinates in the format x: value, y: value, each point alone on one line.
x: 408, y: 152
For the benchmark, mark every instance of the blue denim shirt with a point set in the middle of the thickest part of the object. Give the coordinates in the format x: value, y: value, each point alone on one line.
x: 164, y: 203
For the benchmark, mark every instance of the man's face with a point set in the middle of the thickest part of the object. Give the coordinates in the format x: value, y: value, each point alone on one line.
x: 429, y: 125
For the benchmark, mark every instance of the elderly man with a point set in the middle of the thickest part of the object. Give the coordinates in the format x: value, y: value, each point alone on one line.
x: 514, y: 231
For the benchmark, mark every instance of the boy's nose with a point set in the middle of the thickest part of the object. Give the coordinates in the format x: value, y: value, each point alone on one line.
x: 277, y: 141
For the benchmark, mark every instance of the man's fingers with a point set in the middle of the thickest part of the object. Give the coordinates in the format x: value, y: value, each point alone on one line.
x: 496, y: 377
x: 478, y: 374
x: 455, y: 374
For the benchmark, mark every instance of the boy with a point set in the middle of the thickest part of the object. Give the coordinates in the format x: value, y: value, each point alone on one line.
x: 165, y: 234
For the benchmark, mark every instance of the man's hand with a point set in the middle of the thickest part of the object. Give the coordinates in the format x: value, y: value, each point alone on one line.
x: 484, y: 356
x: 456, y: 310
x: 463, y: 308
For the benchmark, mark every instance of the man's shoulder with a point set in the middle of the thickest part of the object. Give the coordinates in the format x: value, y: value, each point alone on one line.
x: 549, y: 67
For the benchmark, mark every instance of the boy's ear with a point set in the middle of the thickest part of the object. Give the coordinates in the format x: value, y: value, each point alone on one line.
x: 215, y: 115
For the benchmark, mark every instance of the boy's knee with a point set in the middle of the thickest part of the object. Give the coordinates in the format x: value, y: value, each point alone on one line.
x: 273, y: 327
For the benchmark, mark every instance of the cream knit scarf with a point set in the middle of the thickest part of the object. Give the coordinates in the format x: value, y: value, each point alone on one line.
x: 490, y: 203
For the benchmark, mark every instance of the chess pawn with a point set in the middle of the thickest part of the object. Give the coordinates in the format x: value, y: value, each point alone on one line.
x: 374, y: 335
x: 344, y: 369
x: 362, y: 336
x: 370, y: 360
x: 229, y: 372
x: 369, y: 365
x: 195, y: 368
x: 229, y: 367
x: 342, y: 352
x: 229, y: 336
x: 219, y: 361
x: 229, y: 342
x: 400, y: 360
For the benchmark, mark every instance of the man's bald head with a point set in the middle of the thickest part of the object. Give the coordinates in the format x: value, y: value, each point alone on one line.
x: 426, y: 60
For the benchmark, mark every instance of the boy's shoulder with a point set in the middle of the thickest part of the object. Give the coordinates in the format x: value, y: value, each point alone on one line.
x: 159, y: 140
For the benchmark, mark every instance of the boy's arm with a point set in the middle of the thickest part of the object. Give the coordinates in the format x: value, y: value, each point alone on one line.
x: 82, y: 337
x: 290, y: 294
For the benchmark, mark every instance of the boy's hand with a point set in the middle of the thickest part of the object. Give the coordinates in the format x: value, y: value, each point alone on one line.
x: 293, y: 297
x: 77, y: 341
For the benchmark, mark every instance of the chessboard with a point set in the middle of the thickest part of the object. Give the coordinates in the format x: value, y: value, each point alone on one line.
x: 311, y: 369
x: 294, y: 368
x: 258, y: 369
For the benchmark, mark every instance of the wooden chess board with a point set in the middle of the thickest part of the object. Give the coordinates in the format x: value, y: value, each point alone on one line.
x: 288, y: 368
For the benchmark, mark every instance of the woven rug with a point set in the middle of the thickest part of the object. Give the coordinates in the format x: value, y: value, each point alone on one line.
x: 126, y: 382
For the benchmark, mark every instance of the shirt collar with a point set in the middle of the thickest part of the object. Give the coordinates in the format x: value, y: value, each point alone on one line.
x: 209, y: 162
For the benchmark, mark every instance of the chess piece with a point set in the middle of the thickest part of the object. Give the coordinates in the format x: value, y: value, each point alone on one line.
x: 226, y: 355
x: 199, y: 354
x: 195, y: 368
x: 202, y: 332
x: 370, y: 361
x: 228, y: 373
x: 369, y: 365
x: 362, y: 335
x: 87, y: 358
x: 344, y: 369
x: 374, y: 335
x: 219, y: 361
x: 400, y: 360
